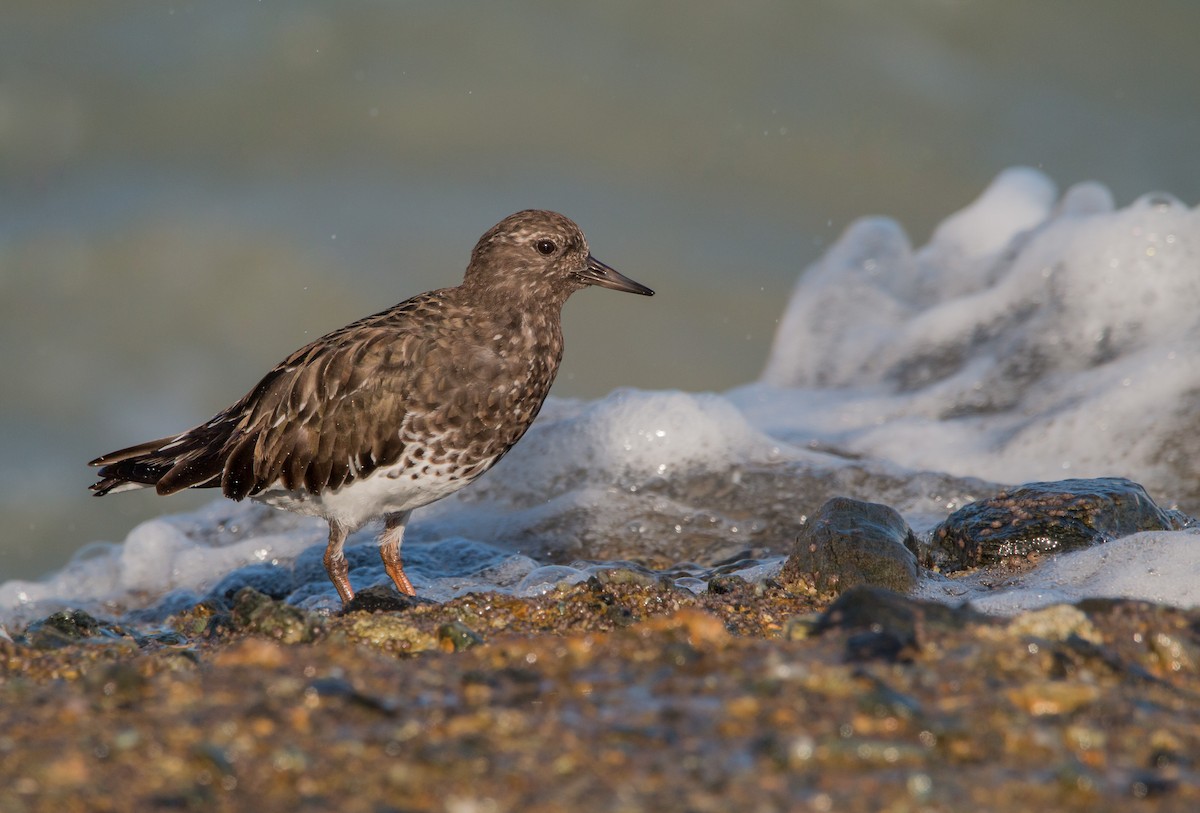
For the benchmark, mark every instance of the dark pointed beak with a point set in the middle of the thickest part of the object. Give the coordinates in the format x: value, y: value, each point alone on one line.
x: 597, y: 273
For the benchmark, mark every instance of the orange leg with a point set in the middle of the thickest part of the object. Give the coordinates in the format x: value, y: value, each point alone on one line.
x: 335, y: 562
x: 389, y: 551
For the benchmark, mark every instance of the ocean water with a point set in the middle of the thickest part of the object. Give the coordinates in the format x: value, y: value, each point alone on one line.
x: 190, y: 191
x: 1037, y: 335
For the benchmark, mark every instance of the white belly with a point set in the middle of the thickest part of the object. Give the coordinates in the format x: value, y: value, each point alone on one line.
x: 385, y: 491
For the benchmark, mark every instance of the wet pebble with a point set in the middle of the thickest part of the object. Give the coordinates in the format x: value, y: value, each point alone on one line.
x: 457, y: 636
x: 849, y: 542
x: 60, y: 629
x: 256, y: 613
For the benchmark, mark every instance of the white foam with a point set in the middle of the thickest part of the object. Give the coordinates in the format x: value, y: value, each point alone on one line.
x: 175, y: 552
x: 1159, y: 566
x: 1026, y: 341
x: 628, y: 437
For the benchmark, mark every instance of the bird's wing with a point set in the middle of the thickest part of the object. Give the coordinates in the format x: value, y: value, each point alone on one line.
x: 329, y: 413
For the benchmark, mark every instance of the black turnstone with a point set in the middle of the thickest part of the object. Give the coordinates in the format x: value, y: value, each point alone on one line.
x: 396, y: 410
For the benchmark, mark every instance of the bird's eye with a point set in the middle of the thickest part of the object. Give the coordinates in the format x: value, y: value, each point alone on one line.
x: 546, y: 247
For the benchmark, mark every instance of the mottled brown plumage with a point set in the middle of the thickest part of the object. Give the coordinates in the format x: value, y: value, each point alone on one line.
x: 396, y: 410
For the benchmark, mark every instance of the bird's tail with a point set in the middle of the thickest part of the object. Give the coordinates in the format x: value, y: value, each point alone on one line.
x: 194, y: 459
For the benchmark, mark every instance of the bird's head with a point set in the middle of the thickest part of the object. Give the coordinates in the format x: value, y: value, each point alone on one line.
x: 541, y: 254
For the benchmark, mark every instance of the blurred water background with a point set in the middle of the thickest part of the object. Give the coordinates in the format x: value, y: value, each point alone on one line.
x: 192, y: 190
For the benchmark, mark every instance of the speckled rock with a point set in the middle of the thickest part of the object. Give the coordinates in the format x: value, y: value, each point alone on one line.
x: 60, y: 629
x: 256, y: 613
x: 850, y: 542
x: 394, y: 632
x: 1046, y: 518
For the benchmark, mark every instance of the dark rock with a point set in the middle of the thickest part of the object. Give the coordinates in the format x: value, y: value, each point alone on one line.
x: 61, y: 629
x: 849, y: 543
x: 339, y: 688
x: 886, y: 625
x: 882, y: 645
x: 1046, y: 518
x: 1165, y: 758
x: 1148, y: 784
x: 73, y: 624
x: 383, y: 598
x: 728, y: 584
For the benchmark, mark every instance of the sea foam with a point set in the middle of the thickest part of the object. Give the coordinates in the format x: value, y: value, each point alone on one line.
x: 1032, y: 339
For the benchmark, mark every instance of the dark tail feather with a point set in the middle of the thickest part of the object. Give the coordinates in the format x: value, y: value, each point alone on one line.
x: 106, y: 485
x: 140, y: 450
x: 190, y: 460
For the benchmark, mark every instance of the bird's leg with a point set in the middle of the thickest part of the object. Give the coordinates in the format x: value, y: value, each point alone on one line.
x: 389, y: 550
x: 335, y: 562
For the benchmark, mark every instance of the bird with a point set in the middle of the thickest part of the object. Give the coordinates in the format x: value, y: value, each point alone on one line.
x: 398, y: 409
